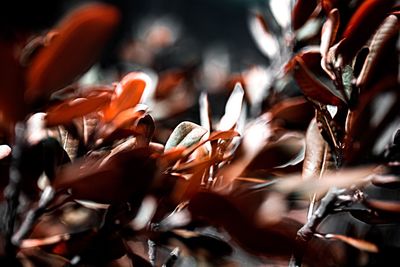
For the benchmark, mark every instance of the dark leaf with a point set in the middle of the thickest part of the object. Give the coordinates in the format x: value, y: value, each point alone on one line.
x: 361, y: 26
x: 82, y: 35
x: 302, y: 11
x: 308, y: 82
x: 276, y: 239
x: 124, y: 176
x: 386, y: 31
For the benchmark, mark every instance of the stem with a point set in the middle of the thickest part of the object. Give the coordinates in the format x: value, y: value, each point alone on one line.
x: 152, y: 252
x: 13, y: 189
x: 33, y: 214
x: 172, y: 258
x: 305, y: 233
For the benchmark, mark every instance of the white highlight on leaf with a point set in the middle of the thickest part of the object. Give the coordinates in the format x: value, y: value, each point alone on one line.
x: 145, y: 213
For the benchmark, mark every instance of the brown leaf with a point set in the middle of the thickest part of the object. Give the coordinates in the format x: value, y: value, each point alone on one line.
x: 82, y: 36
x: 361, y: 26
x: 12, y: 108
x: 124, y: 176
x: 386, y: 31
x: 383, y: 206
x: 345, y: 178
x: 387, y: 181
x: 357, y: 243
x: 168, y: 81
x: 328, y: 37
x: 294, y: 112
x: 128, y: 94
x: 275, y: 239
x: 310, y: 85
x: 318, y: 158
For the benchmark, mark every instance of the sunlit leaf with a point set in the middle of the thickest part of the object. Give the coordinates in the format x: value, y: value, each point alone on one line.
x: 111, y: 180
x: 185, y: 134
x: 233, y: 109
x: 5, y: 151
x: 65, y: 112
x: 127, y: 94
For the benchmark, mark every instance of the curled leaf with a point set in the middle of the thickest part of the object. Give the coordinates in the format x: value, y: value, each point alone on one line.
x: 362, y: 25
x: 386, y: 31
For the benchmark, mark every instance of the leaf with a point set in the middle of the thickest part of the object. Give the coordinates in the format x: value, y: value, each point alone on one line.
x: 82, y: 36
x: 329, y: 31
x: 386, y: 31
x: 310, y: 85
x: 345, y: 178
x: 127, y: 94
x: 219, y: 210
x: 357, y: 243
x: 293, y: 113
x: 205, y: 112
x: 168, y: 81
x: 318, y: 158
x: 199, y: 244
x: 5, y: 151
x: 185, y: 135
x: 233, y: 109
x: 111, y: 180
x: 302, y: 11
x: 383, y: 206
x: 386, y: 181
x: 277, y: 156
x: 65, y: 112
x: 214, y: 136
x: 361, y: 26
x: 11, y: 86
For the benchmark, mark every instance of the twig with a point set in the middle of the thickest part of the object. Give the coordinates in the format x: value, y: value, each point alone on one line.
x: 13, y: 189
x: 33, y: 214
x: 172, y: 258
x: 152, y: 252
x: 305, y: 233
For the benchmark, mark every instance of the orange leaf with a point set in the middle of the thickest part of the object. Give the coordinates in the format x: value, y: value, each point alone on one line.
x: 127, y: 94
x: 79, y: 107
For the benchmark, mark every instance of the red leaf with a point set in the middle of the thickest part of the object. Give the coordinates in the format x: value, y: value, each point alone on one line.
x: 362, y: 25
x: 82, y: 35
x: 311, y: 86
x: 302, y: 11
